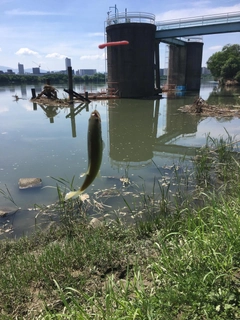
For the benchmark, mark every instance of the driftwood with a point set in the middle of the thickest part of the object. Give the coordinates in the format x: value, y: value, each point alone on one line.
x: 77, y: 95
x: 201, y: 107
x: 49, y: 91
x: 198, y: 105
x: 16, y: 97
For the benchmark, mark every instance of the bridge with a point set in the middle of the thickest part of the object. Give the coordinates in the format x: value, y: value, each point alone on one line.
x: 185, y: 27
x: 203, y: 25
x: 183, y: 36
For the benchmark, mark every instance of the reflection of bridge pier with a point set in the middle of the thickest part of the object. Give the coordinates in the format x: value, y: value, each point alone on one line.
x: 134, y: 126
x: 132, y: 129
x: 185, y: 124
x: 177, y: 124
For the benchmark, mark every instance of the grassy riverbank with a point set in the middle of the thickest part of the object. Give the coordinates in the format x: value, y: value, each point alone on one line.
x: 182, y: 263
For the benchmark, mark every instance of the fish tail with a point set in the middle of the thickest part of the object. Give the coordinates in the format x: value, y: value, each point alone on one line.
x: 72, y: 194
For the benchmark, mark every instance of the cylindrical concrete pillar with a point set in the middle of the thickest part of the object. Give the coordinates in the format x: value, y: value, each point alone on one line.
x: 194, y: 65
x: 131, y: 67
x: 184, y: 67
x: 176, y: 66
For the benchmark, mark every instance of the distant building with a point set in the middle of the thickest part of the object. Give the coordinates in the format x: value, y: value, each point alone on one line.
x: 20, y: 68
x: 87, y: 72
x: 61, y: 71
x: 165, y: 71
x: 67, y: 63
x: 205, y: 70
x: 9, y: 71
x: 36, y: 70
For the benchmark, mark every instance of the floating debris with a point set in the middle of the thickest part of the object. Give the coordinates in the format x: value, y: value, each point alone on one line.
x: 49, y: 91
x: 201, y: 107
x: 125, y: 181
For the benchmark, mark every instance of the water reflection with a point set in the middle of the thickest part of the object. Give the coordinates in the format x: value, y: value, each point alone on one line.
x: 177, y: 124
x: 132, y: 130
x: 74, y: 111
x: 219, y: 95
x: 134, y: 125
x: 138, y: 128
x: 135, y: 132
x: 52, y: 111
x: 24, y: 91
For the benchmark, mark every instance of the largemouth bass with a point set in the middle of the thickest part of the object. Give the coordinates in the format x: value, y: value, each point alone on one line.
x: 95, y: 150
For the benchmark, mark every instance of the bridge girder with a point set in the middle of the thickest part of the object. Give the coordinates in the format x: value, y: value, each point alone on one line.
x: 197, y: 30
x: 175, y: 41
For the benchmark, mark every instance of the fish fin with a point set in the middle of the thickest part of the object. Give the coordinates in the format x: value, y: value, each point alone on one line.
x: 72, y: 194
x: 84, y: 174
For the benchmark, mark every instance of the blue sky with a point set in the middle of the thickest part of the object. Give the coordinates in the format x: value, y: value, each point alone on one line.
x: 45, y: 32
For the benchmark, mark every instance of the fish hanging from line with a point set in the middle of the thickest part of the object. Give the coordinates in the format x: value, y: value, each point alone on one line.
x: 95, y: 150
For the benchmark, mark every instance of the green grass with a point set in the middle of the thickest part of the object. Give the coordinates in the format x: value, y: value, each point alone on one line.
x: 181, y: 263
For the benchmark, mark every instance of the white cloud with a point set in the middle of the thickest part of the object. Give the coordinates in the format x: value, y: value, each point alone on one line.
x: 196, y: 10
x: 93, y: 57
x: 18, y: 12
x: 96, y: 34
x: 26, y: 52
x: 56, y: 55
x: 215, y: 48
x: 0, y: 49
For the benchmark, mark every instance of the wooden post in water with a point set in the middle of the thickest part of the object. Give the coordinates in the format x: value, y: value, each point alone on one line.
x: 70, y: 83
x: 33, y: 93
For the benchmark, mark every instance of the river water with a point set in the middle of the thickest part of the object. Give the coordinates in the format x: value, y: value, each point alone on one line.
x: 141, y: 136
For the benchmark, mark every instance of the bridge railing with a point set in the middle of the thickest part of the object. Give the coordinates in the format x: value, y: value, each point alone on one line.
x: 199, y: 21
x: 126, y: 17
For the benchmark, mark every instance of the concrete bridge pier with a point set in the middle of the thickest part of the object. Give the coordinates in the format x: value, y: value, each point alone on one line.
x: 194, y: 65
x: 184, y: 68
x: 177, y: 66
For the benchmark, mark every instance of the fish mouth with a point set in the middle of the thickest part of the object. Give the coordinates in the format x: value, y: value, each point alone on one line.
x: 95, y: 114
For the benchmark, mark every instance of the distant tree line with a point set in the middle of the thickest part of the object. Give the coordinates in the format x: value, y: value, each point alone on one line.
x: 54, y: 78
x: 225, y: 65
